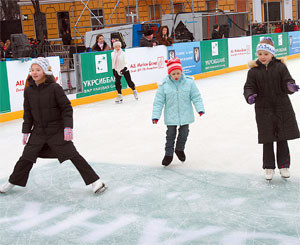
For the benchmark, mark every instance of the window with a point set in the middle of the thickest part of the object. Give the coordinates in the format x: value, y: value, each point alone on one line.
x: 63, y: 21
x: 155, y: 12
x: 130, y: 13
x: 211, y: 4
x: 178, y: 7
x: 97, y: 19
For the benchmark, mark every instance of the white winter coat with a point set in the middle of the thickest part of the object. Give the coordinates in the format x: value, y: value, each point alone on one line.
x: 122, y: 61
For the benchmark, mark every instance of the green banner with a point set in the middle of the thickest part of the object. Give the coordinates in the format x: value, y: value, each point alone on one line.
x: 4, y: 90
x: 214, y: 55
x: 97, y: 75
x: 280, y: 40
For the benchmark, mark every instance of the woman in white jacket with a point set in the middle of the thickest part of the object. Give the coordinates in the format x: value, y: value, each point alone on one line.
x: 119, y: 69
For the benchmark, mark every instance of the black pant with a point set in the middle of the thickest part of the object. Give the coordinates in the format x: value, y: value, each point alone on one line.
x: 282, y: 155
x: 183, y: 132
x: 22, y: 168
x: 127, y: 78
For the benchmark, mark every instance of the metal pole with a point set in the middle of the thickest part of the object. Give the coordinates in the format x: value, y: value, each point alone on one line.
x: 137, y: 11
x: 268, y: 16
x: 75, y: 38
x: 153, y: 4
x: 250, y: 23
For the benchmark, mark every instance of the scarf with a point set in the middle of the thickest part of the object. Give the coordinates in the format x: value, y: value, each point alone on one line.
x: 118, y: 66
x: 101, y: 45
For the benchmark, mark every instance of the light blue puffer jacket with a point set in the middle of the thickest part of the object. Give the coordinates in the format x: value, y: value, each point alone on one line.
x: 177, y: 98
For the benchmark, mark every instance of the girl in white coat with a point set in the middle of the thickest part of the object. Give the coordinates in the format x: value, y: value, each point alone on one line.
x: 119, y: 66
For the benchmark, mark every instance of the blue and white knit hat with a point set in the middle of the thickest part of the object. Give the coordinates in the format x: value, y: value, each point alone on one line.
x: 44, y: 63
x: 266, y: 47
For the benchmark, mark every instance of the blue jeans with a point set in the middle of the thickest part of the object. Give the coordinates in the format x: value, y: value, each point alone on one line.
x: 183, y: 132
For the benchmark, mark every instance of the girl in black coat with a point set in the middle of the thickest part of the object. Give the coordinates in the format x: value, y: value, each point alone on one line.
x: 48, y: 119
x: 268, y: 85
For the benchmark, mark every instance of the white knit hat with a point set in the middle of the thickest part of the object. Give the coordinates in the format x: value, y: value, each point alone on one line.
x: 44, y: 63
x: 117, y: 43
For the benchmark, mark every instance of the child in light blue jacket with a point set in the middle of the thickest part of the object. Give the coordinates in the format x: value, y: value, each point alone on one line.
x: 176, y: 95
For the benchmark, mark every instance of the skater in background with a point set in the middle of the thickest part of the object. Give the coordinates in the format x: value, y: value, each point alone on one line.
x: 176, y: 95
x: 120, y: 69
x: 48, y: 123
x: 268, y: 85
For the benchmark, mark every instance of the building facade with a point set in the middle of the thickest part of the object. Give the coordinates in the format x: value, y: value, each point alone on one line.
x: 80, y: 16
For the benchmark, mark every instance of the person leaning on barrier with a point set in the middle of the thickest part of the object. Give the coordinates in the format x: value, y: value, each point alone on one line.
x: 163, y: 36
x: 216, y: 32
x: 147, y: 39
x: 100, y: 44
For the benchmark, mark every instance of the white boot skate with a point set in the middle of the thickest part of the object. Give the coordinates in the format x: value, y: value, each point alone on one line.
x: 119, y: 99
x: 135, y: 94
x: 6, y: 187
x: 269, y: 174
x: 284, y: 172
x: 98, y: 186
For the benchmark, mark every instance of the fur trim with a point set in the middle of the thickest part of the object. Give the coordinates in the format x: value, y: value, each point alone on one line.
x: 253, y: 63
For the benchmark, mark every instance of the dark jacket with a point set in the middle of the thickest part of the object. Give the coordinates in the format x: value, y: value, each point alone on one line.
x: 216, y: 35
x: 47, y: 111
x: 97, y: 48
x: 167, y: 41
x: 275, y: 116
x: 144, y: 42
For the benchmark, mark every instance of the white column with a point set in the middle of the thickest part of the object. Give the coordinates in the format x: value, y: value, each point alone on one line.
x: 257, y: 11
x: 288, y: 9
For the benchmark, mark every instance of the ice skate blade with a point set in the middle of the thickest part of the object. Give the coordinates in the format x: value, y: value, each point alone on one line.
x: 119, y: 102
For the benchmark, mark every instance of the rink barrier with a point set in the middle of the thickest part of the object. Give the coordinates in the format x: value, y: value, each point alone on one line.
x: 110, y: 95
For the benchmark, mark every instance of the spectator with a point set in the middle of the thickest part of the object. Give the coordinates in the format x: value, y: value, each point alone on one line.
x: 147, y: 39
x: 278, y: 28
x: 272, y: 28
x: 216, y: 32
x: 163, y: 36
x: 7, y: 49
x: 100, y: 44
x: 66, y: 38
x: 1, y: 49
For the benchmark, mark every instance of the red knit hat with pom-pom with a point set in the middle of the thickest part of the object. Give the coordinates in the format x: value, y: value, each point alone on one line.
x: 173, y: 64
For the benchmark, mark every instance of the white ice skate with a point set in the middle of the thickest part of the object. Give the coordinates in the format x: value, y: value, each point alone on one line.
x: 269, y: 174
x: 119, y: 99
x: 135, y: 94
x: 6, y: 187
x: 284, y: 172
x: 98, y: 186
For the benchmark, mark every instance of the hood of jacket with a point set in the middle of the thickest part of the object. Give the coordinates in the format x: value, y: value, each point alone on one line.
x: 257, y: 63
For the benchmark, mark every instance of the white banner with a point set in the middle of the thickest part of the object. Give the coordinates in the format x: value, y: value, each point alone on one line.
x: 147, y: 65
x: 257, y: 11
x: 239, y: 51
x: 17, y: 72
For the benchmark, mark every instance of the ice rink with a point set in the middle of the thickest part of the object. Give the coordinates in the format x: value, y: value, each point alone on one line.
x: 218, y: 196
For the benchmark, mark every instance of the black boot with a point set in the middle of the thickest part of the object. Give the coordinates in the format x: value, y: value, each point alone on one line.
x: 180, y: 155
x: 167, y: 160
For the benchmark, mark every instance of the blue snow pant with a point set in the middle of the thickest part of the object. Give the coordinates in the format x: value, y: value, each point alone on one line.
x: 282, y: 155
x: 183, y: 132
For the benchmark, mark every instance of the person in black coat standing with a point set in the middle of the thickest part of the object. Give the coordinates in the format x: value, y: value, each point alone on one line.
x: 48, y: 123
x: 216, y: 32
x: 268, y: 85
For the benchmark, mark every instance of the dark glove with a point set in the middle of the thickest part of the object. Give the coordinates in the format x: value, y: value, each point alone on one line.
x: 251, y: 99
x: 292, y: 87
x: 123, y: 70
x: 201, y: 113
x: 154, y: 121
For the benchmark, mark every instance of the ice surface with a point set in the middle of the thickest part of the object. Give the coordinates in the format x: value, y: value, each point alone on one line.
x: 218, y: 196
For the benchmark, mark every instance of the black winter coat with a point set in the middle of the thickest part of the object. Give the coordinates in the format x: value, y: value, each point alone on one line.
x: 275, y: 116
x: 47, y: 111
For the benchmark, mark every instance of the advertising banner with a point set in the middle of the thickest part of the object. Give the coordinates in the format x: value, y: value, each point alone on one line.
x: 239, y: 51
x: 4, y: 92
x: 280, y: 41
x: 214, y: 55
x: 97, y: 75
x: 189, y: 55
x: 147, y: 65
x: 294, y: 42
x: 16, y: 80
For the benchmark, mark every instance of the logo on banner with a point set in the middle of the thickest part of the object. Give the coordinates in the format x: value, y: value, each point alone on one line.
x: 171, y: 54
x: 214, y: 49
x: 280, y: 40
x: 101, y: 63
x: 196, y: 54
x: 160, y: 62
